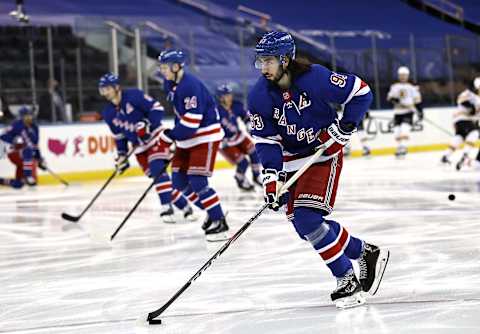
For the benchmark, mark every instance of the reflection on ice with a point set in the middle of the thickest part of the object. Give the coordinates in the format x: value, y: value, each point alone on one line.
x: 54, y: 279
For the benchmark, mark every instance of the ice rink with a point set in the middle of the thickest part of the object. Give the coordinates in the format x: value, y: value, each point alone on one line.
x: 54, y: 279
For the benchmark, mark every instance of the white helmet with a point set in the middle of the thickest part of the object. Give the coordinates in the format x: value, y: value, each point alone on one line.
x: 476, y: 83
x: 403, y: 70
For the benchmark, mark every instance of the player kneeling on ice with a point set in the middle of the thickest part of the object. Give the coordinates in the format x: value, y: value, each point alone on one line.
x: 406, y: 99
x: 236, y: 144
x: 20, y: 141
x: 291, y: 117
x: 465, y: 120
x: 197, y: 135
x: 135, y: 117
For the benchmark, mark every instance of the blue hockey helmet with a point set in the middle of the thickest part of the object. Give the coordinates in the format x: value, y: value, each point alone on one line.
x: 172, y: 56
x: 25, y: 111
x: 276, y: 43
x: 224, y: 89
x: 108, y: 79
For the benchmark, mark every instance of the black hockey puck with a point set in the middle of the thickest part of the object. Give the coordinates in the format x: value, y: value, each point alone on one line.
x: 451, y: 197
x: 155, y: 322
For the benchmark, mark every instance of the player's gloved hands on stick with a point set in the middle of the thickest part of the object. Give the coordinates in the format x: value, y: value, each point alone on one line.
x: 339, y: 132
x: 272, y: 182
x: 121, y: 163
x: 142, y: 129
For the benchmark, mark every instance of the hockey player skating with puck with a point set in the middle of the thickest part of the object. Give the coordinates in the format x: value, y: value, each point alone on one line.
x: 465, y: 125
x: 197, y: 135
x: 21, y: 142
x: 236, y: 146
x: 406, y: 99
x: 135, y: 117
x: 290, y: 117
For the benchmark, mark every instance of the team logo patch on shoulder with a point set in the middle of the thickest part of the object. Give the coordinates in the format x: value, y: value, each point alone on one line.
x: 339, y: 80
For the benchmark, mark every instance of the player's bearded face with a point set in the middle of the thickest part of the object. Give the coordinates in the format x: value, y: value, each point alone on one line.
x: 270, y: 67
x: 109, y: 92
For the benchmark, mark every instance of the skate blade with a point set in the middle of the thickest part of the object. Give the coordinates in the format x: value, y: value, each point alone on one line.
x: 353, y: 301
x: 382, y: 262
x: 168, y: 219
x: 191, y: 218
x: 217, y: 237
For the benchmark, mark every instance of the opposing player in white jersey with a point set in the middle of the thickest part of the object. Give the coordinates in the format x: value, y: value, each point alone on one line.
x: 464, y: 123
x: 406, y: 99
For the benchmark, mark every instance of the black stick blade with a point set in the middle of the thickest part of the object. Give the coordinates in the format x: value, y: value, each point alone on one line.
x: 154, y: 322
x: 66, y: 216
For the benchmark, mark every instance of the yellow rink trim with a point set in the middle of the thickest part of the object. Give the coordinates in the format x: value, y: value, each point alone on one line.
x: 136, y: 171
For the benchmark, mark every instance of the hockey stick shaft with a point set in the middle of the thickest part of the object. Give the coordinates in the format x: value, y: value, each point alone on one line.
x: 56, y: 176
x: 285, y: 187
x: 99, y: 192
x: 438, y: 126
x: 132, y: 210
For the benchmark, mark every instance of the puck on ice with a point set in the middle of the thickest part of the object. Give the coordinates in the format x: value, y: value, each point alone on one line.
x: 451, y: 197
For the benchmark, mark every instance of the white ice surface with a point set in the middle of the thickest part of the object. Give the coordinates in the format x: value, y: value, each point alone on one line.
x: 54, y: 279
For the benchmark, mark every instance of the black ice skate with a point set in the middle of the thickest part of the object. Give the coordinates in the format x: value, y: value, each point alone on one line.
x: 372, y: 262
x: 348, y: 292
x: 167, y: 215
x: 401, y: 152
x: 243, y: 183
x: 257, y: 179
x: 217, y: 230
x: 188, y: 214
x: 445, y: 160
x: 366, y: 152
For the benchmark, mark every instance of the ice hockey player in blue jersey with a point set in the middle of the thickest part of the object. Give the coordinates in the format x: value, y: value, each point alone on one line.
x: 20, y: 141
x: 197, y: 134
x: 291, y: 117
x: 136, y: 118
x: 236, y: 145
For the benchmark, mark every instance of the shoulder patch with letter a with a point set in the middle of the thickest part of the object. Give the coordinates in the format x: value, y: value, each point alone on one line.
x: 304, y: 101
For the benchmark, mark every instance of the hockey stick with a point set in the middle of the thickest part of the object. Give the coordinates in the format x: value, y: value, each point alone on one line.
x: 75, y: 219
x: 138, y: 202
x: 56, y: 176
x: 132, y: 210
x: 152, y: 315
x: 438, y: 126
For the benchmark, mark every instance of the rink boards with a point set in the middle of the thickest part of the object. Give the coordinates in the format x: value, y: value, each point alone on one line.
x: 81, y: 152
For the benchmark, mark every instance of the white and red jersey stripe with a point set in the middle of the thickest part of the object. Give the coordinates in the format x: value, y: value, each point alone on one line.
x: 191, y: 120
x: 211, y: 133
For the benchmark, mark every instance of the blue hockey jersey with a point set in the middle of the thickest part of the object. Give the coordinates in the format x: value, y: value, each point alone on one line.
x: 285, y: 124
x: 18, y: 133
x: 134, y: 107
x: 229, y: 121
x: 197, y: 120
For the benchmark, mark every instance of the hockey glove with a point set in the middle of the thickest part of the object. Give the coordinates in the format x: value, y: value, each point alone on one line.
x: 340, y: 133
x: 121, y: 163
x: 142, y: 129
x: 394, y: 100
x: 272, y: 182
